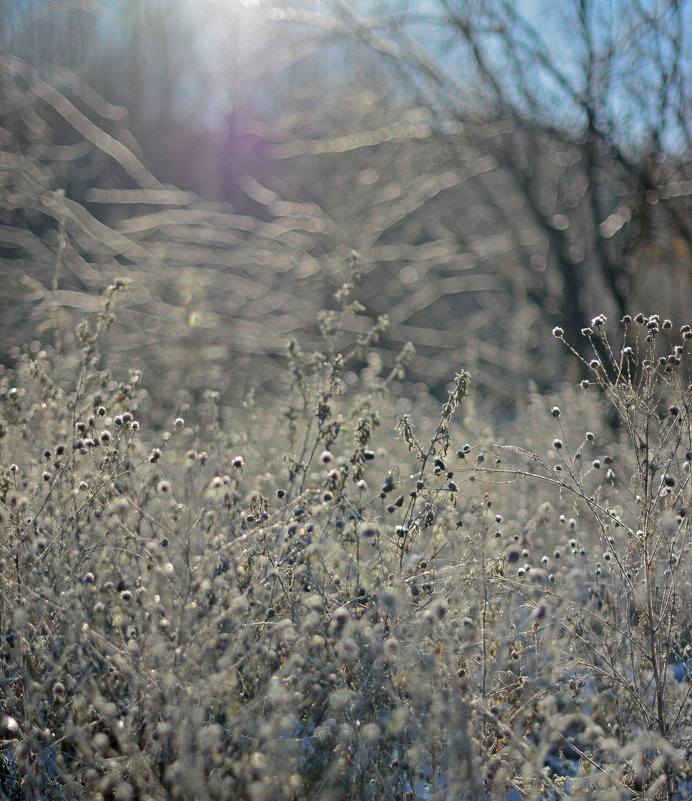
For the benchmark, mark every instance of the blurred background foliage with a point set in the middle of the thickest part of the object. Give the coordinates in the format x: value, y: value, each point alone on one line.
x: 499, y: 168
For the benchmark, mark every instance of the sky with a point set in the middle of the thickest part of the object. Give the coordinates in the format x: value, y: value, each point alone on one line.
x: 214, y: 57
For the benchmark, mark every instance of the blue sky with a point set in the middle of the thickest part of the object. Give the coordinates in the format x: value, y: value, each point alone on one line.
x: 221, y: 47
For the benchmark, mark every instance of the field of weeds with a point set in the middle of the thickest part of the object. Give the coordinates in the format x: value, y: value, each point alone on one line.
x: 327, y: 597
x: 262, y: 541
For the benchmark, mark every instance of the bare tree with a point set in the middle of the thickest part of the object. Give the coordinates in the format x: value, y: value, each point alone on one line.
x: 579, y: 116
x: 499, y: 171
x: 79, y: 208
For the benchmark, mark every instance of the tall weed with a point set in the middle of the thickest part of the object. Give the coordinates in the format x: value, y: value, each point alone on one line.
x: 331, y: 598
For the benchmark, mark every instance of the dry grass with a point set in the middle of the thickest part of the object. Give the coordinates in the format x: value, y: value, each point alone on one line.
x: 323, y: 598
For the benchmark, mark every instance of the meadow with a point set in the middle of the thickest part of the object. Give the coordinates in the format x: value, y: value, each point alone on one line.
x: 324, y: 597
x: 281, y: 521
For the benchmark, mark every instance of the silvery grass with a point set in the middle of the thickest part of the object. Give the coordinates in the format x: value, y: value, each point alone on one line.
x: 325, y: 599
